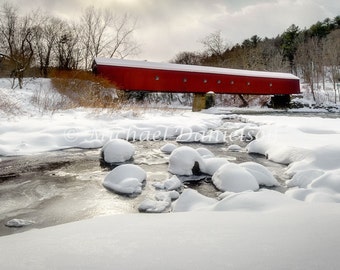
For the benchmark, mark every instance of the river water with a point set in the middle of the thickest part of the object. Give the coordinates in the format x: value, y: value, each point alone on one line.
x: 64, y: 186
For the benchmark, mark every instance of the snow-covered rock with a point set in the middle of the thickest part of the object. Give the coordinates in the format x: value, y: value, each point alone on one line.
x: 161, y: 203
x: 246, y: 133
x: 262, y: 175
x: 233, y: 177
x: 117, y: 150
x: 168, y: 148
x: 205, y: 153
x: 191, y: 200
x: 234, y: 148
x: 303, y: 178
x: 125, y: 179
x: 167, y: 195
x: 213, y: 164
x: 152, y: 206
x: 170, y: 184
x: 185, y: 160
x: 17, y: 223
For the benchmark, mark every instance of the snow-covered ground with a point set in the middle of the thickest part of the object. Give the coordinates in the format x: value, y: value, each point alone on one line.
x: 256, y: 228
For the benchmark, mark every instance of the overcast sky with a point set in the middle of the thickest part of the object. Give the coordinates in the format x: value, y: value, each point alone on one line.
x: 167, y: 27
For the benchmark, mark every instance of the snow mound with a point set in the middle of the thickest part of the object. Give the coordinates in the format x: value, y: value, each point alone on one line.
x: 117, y: 150
x: 328, y: 182
x: 262, y: 200
x: 303, y: 178
x: 17, y: 223
x: 234, y: 148
x: 161, y: 204
x: 213, y: 137
x: 204, y: 152
x: 168, y: 148
x: 170, y: 184
x: 313, y: 195
x: 213, y: 164
x: 235, y: 178
x: 152, y: 206
x: 324, y: 158
x: 90, y: 144
x: 246, y: 133
x: 185, y: 160
x: 191, y: 200
x: 125, y: 179
x: 167, y: 196
x: 189, y: 137
x: 262, y: 174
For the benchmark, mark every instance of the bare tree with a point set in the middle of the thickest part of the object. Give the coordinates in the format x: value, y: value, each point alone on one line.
x: 215, y: 45
x: 67, y: 50
x: 332, y: 58
x: 308, y: 61
x: 107, y: 35
x: 16, y: 39
x: 46, y: 33
x: 187, y: 58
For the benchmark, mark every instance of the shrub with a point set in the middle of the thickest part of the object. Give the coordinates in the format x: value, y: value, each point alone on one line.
x: 86, y: 89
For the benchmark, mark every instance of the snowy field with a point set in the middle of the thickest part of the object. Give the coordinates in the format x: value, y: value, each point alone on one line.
x: 247, y: 226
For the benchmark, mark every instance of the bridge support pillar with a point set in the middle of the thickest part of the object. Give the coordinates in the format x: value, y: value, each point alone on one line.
x: 203, y: 101
x: 280, y: 101
x: 198, y: 103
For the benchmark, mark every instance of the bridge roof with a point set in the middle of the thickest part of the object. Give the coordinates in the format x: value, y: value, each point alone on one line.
x: 192, y: 68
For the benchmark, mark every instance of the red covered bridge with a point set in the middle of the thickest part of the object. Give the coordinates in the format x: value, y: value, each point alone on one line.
x: 165, y: 77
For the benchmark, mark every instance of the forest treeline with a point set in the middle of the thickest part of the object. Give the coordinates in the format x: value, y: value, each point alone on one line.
x: 312, y: 54
x: 39, y: 42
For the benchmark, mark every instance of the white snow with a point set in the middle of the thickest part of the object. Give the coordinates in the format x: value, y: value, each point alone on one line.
x: 213, y: 164
x: 172, y: 183
x: 262, y: 175
x: 243, y: 228
x: 16, y: 222
x: 125, y: 179
x: 168, y: 148
x: 117, y: 150
x: 183, y: 159
x: 234, y: 148
x: 204, y: 152
x: 233, y: 177
x: 152, y: 206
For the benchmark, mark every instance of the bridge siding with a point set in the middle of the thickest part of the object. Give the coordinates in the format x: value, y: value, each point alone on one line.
x: 161, y: 80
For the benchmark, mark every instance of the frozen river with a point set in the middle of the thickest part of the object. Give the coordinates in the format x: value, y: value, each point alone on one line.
x: 65, y: 186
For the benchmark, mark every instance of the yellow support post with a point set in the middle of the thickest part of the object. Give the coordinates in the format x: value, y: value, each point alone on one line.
x: 198, y: 103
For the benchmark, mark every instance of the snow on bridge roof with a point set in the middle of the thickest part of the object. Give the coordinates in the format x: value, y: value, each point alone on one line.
x: 192, y: 68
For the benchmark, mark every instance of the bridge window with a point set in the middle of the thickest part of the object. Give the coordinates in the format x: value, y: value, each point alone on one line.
x: 157, y: 78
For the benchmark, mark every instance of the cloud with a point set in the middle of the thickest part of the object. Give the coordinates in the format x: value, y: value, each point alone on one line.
x: 167, y: 27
